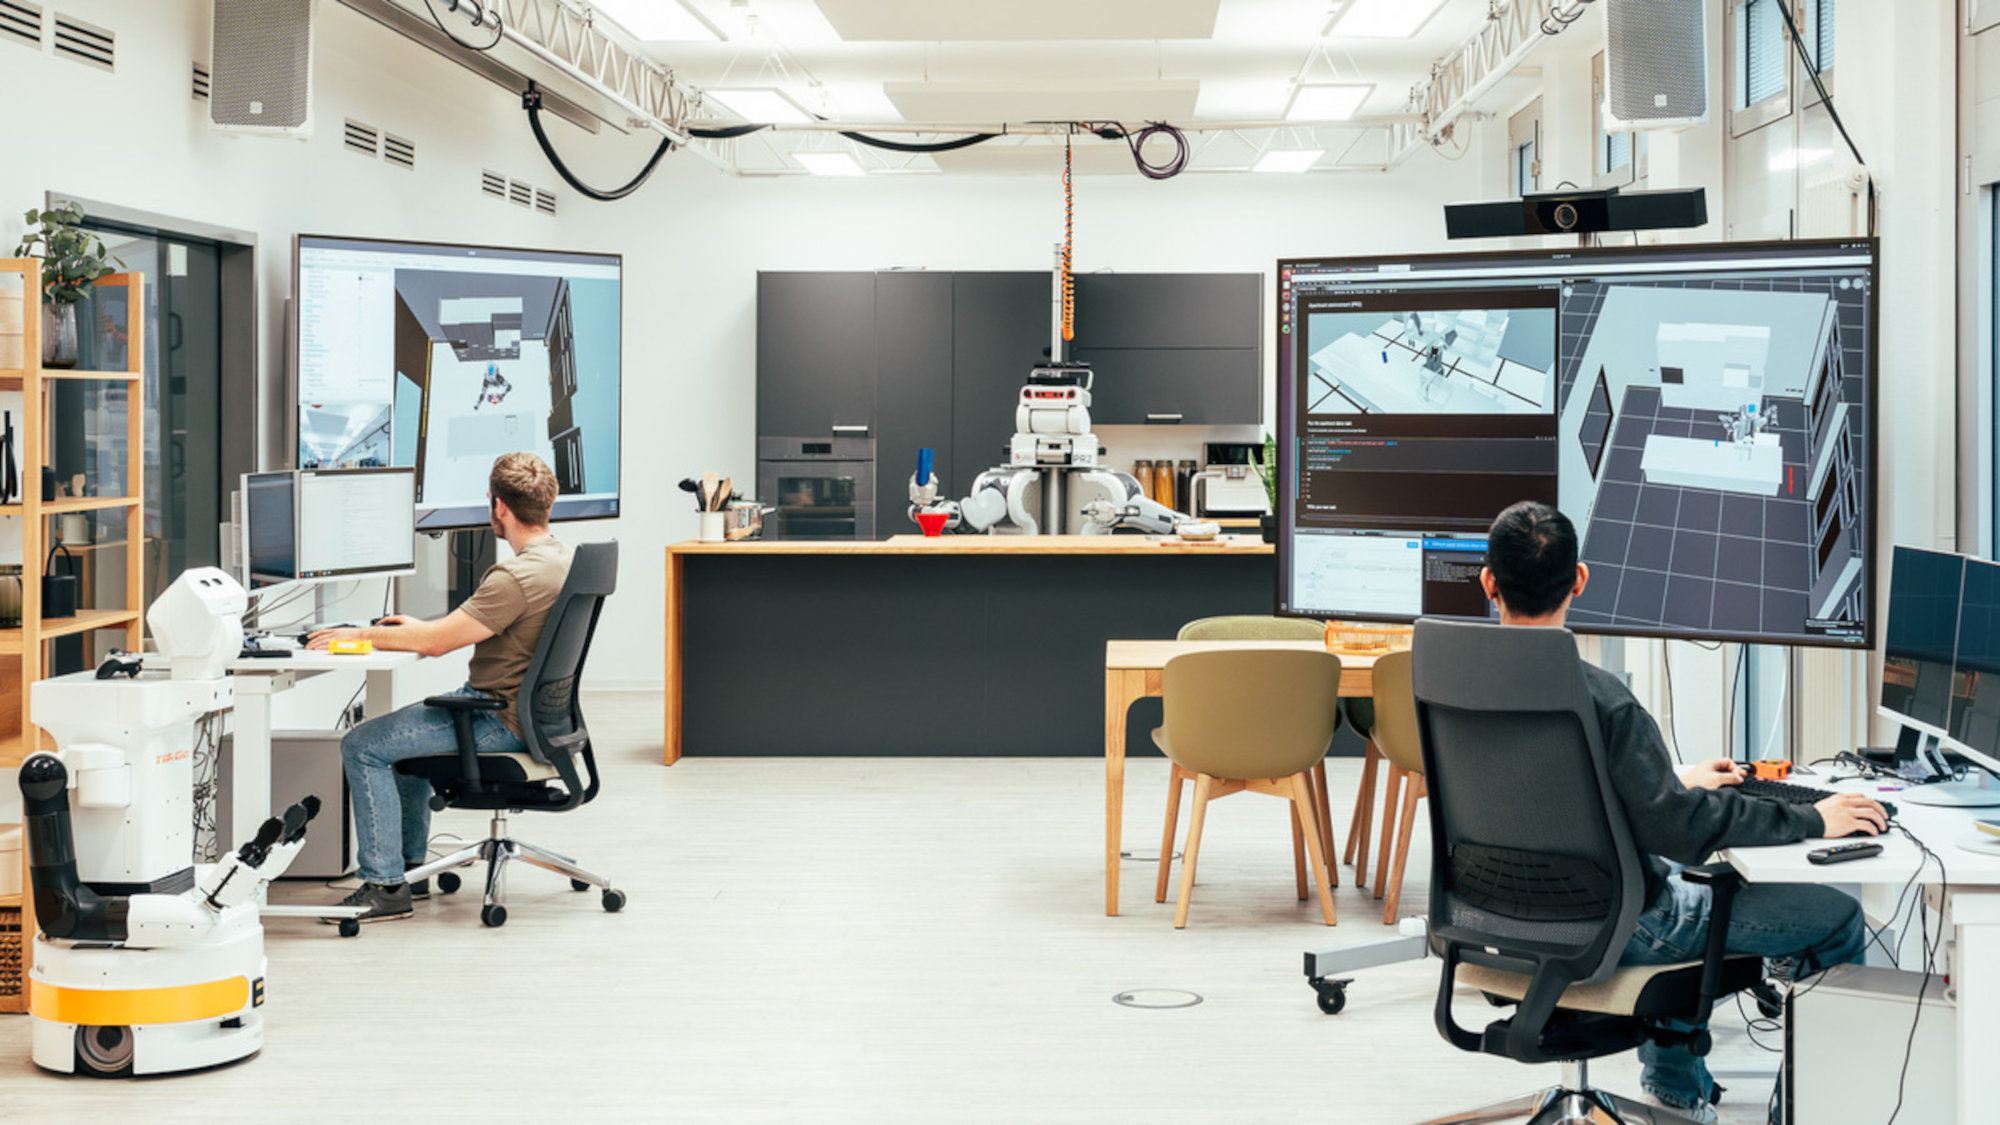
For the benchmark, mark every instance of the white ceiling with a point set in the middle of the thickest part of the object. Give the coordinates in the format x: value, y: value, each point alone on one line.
x: 991, y: 61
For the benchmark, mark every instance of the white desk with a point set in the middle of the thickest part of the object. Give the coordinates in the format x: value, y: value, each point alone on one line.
x: 1973, y: 910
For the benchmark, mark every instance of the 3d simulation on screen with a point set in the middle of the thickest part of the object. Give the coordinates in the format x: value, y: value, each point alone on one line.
x: 442, y: 358
x: 1701, y: 413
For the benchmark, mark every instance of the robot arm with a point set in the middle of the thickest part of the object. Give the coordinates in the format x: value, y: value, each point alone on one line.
x: 1119, y: 502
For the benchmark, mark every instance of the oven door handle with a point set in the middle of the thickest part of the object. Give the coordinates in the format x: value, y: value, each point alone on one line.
x: 859, y: 431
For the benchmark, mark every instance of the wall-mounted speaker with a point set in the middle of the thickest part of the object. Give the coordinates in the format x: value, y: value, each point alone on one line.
x: 1655, y: 64
x: 261, y: 65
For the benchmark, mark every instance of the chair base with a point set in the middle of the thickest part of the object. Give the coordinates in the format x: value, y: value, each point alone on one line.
x: 500, y: 849
x: 1560, y: 1105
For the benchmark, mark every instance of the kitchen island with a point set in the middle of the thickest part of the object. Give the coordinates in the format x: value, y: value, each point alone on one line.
x: 966, y: 645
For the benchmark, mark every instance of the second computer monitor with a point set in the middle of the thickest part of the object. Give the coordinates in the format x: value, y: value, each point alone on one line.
x: 1922, y: 636
x: 1975, y: 695
x: 270, y: 527
x: 356, y: 522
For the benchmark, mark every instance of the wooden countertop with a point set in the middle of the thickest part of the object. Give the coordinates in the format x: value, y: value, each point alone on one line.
x: 982, y: 545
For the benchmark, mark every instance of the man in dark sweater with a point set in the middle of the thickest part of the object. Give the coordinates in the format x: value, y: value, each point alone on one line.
x: 1531, y: 576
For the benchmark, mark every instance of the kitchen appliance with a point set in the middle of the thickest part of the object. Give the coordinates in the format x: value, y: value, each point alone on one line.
x: 818, y: 488
x: 1231, y: 485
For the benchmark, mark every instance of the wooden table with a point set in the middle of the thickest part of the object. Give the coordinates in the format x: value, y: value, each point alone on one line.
x: 1134, y: 670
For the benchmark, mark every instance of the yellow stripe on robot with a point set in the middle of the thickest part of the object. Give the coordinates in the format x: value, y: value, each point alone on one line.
x: 118, y: 1007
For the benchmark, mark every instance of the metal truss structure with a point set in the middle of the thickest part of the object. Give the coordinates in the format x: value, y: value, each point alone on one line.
x: 1512, y: 29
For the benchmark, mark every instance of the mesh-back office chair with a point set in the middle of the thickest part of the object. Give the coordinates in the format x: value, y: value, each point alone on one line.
x: 1535, y: 880
x: 1255, y: 627
x: 552, y: 729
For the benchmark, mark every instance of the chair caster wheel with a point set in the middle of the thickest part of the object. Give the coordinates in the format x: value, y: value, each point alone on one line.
x: 1332, y: 994
x: 614, y: 901
x: 493, y: 915
x: 447, y: 881
x: 349, y: 927
x: 578, y: 885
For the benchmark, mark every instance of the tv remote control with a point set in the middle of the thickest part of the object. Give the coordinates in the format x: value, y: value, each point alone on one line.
x: 1841, y: 853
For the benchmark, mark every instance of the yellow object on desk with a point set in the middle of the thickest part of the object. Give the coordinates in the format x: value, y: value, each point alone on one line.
x: 351, y: 648
x: 1359, y: 638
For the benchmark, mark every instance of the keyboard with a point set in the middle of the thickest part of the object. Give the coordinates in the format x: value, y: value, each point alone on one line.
x: 1798, y: 794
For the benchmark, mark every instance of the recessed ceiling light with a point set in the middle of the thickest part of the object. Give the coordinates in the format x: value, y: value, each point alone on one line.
x: 1287, y: 160
x: 1311, y: 102
x: 660, y: 21
x: 830, y: 163
x: 1383, y: 19
x: 765, y: 106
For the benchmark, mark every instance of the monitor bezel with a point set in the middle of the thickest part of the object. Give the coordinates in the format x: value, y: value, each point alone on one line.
x: 298, y: 506
x: 448, y: 518
x: 1941, y: 732
x: 1287, y: 456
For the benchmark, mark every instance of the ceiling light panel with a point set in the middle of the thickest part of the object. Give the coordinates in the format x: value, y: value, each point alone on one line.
x: 1383, y: 19
x: 763, y: 105
x: 659, y: 21
x: 1287, y: 160
x: 1312, y: 102
x: 829, y: 163
x: 1025, y: 21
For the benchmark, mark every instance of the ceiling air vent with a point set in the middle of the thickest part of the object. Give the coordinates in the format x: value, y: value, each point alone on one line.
x: 200, y: 83
x: 21, y: 22
x: 361, y: 138
x: 398, y: 151
x: 494, y: 184
x: 84, y: 43
x: 518, y: 192
x: 545, y: 201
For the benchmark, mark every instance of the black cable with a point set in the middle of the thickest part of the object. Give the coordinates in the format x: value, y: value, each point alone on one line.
x: 1930, y: 948
x: 499, y: 30
x: 531, y: 101
x: 725, y: 132
x: 1174, y: 166
x: 1826, y: 99
x: 912, y: 146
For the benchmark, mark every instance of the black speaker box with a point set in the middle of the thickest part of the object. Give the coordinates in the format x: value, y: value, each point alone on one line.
x: 1578, y: 212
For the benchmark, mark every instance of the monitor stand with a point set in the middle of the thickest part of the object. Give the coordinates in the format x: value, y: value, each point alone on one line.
x: 1920, y: 760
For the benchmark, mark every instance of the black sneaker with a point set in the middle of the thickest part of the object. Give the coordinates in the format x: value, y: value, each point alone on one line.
x: 384, y: 904
x: 420, y: 888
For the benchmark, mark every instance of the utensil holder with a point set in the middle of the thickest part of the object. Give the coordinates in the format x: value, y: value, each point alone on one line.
x: 711, y: 527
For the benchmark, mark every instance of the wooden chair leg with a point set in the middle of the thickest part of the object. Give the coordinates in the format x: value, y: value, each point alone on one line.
x: 1302, y: 800
x: 1202, y: 785
x: 1299, y: 856
x: 1321, y: 797
x: 1364, y: 812
x: 1413, y: 791
x: 1392, y: 787
x: 1175, y: 776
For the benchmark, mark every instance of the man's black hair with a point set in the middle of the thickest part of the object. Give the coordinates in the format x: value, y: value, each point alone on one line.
x: 1531, y: 550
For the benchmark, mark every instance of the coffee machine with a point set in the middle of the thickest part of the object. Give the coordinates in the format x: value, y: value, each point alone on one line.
x: 1230, y: 485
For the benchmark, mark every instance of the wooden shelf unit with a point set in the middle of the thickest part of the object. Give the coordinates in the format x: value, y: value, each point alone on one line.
x: 27, y: 647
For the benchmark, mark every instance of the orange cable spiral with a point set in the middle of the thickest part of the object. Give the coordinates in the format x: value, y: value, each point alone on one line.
x: 1068, y: 252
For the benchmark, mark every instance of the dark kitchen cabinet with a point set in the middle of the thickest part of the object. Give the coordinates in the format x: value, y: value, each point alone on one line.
x: 815, y: 354
x: 1191, y: 386
x: 1000, y: 331
x: 913, y: 388
x: 1169, y: 310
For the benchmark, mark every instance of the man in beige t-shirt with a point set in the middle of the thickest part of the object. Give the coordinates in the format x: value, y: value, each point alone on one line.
x: 502, y: 621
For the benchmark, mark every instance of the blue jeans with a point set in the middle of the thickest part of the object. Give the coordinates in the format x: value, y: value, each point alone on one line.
x: 1819, y: 926
x: 392, y: 812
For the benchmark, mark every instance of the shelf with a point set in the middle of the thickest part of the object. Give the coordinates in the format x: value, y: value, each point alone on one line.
x: 85, y: 621
x: 73, y: 504
x: 76, y: 373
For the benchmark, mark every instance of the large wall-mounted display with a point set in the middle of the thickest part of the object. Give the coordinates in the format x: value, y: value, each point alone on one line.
x: 442, y: 357
x: 1704, y: 414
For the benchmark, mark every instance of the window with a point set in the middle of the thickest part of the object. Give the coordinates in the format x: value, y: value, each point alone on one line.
x: 1524, y: 169
x: 1524, y: 149
x: 1819, y: 35
x: 1617, y: 152
x: 1760, y: 63
x: 1614, y: 150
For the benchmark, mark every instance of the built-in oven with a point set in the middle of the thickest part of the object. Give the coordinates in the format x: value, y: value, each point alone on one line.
x: 821, y: 488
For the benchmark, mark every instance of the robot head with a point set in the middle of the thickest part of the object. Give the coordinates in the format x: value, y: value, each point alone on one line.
x: 198, y: 622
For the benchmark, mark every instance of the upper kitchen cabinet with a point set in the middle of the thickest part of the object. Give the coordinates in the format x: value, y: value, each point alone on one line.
x: 913, y: 386
x: 1000, y: 331
x: 1172, y: 347
x: 816, y: 354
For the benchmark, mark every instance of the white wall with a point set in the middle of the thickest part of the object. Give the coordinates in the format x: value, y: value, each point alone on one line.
x: 693, y: 238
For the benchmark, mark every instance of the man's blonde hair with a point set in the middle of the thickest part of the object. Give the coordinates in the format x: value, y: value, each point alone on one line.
x: 524, y: 483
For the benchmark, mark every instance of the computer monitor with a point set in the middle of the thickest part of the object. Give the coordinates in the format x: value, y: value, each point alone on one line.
x: 270, y: 528
x: 356, y: 522
x: 1703, y: 414
x: 441, y: 357
x: 1920, y: 638
x: 1975, y: 698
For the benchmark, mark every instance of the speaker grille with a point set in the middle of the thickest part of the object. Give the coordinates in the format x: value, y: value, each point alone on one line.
x: 399, y: 151
x: 1656, y: 60
x: 262, y: 63
x: 21, y: 22
x: 80, y: 42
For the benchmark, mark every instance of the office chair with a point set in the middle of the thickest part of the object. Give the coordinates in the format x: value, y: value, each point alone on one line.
x: 1535, y: 879
x: 553, y: 730
x: 1255, y: 627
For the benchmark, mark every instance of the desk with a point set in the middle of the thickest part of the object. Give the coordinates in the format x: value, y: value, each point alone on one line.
x: 1973, y: 909
x: 1133, y: 671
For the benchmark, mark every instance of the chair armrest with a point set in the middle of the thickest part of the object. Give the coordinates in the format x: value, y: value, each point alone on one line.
x: 465, y: 703
x: 1724, y: 881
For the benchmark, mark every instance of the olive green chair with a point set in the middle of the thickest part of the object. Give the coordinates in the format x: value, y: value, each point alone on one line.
x: 1254, y: 627
x: 1404, y: 785
x: 1250, y: 719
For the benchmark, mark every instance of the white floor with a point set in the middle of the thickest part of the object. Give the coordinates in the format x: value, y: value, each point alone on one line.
x: 848, y: 940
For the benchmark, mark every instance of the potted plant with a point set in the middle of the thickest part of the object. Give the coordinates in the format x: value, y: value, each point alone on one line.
x: 72, y: 261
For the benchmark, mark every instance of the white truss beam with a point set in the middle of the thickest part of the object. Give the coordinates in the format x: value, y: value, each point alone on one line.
x: 1512, y: 29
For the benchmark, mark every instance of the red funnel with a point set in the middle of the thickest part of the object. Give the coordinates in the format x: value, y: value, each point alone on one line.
x: 933, y: 522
